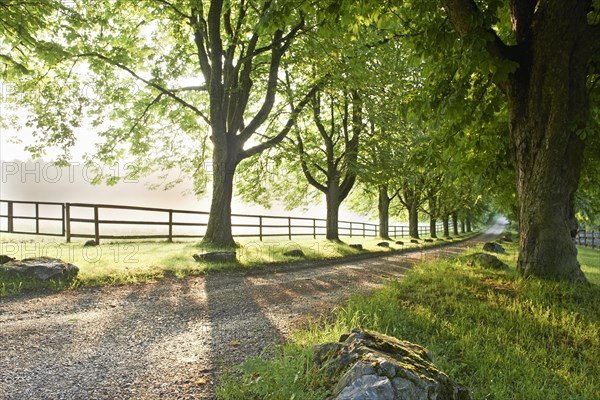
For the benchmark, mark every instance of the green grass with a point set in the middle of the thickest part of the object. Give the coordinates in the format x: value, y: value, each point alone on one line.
x: 123, y: 262
x: 503, y: 337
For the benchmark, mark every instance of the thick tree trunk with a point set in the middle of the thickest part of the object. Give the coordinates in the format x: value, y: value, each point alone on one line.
x: 455, y: 224
x: 218, y: 229
x: 468, y: 223
x: 333, y: 206
x: 446, y: 223
x: 462, y: 226
x: 384, y: 212
x: 548, y: 104
x: 413, y: 221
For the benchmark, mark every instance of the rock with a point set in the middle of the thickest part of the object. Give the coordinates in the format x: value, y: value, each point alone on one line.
x: 485, y: 260
x: 400, y: 243
x: 89, y: 243
x: 216, y: 256
x: 383, y: 244
x: 428, y: 240
x: 357, y: 246
x: 43, y: 268
x: 294, y: 253
x: 494, y: 248
x: 4, y: 259
x: 414, y: 241
x: 370, y: 365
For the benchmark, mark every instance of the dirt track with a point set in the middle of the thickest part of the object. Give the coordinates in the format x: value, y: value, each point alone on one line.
x: 155, y: 341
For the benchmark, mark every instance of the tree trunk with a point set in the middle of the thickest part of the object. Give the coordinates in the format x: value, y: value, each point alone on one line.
x: 218, y: 229
x: 455, y: 224
x: 548, y: 105
x: 462, y: 226
x: 446, y: 223
x: 469, y: 228
x: 433, y: 227
x: 413, y: 221
x: 333, y: 206
x: 384, y: 212
x: 433, y: 214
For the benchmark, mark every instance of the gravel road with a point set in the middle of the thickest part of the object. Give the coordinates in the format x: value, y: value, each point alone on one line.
x: 156, y: 341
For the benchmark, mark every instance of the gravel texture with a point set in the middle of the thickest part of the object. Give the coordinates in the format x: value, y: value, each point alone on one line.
x: 171, y: 339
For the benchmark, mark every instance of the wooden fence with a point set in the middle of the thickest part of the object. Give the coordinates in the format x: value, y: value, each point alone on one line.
x: 588, y: 239
x: 47, y: 218
x: 98, y: 221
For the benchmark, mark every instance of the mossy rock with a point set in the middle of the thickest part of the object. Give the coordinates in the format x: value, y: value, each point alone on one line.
x: 366, y: 364
x: 486, y: 261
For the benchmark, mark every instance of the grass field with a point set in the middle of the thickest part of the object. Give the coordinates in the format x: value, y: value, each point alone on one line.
x: 503, y: 337
x: 129, y: 262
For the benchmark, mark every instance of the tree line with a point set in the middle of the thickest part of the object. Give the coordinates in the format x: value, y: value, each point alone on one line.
x: 446, y: 108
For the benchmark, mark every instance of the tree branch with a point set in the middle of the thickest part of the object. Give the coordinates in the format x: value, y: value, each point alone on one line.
x: 147, y: 82
x: 290, y: 123
x: 466, y: 18
x: 347, y: 185
x: 178, y: 11
x: 316, y: 108
x: 269, y: 100
x: 200, y: 38
x: 522, y: 17
x: 201, y: 88
x: 311, y: 179
x: 145, y: 112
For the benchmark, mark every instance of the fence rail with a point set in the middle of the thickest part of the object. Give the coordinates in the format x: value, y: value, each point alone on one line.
x: 101, y: 221
x: 588, y: 239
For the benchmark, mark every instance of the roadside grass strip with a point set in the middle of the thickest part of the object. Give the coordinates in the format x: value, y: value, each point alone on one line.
x: 504, y: 337
x: 126, y: 262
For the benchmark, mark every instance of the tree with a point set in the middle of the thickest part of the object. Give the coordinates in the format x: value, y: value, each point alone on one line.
x: 378, y: 163
x: 340, y: 137
x: 230, y: 52
x: 553, y: 43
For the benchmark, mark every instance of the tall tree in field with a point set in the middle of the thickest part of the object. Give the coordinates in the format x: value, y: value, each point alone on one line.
x: 165, y: 72
x: 551, y: 48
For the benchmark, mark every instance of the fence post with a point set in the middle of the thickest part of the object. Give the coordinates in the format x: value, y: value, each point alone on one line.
x: 290, y: 228
x: 350, y: 229
x: 37, y: 218
x: 260, y: 232
x: 314, y: 228
x: 170, y: 239
x: 67, y: 221
x: 96, y: 225
x: 10, y: 217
